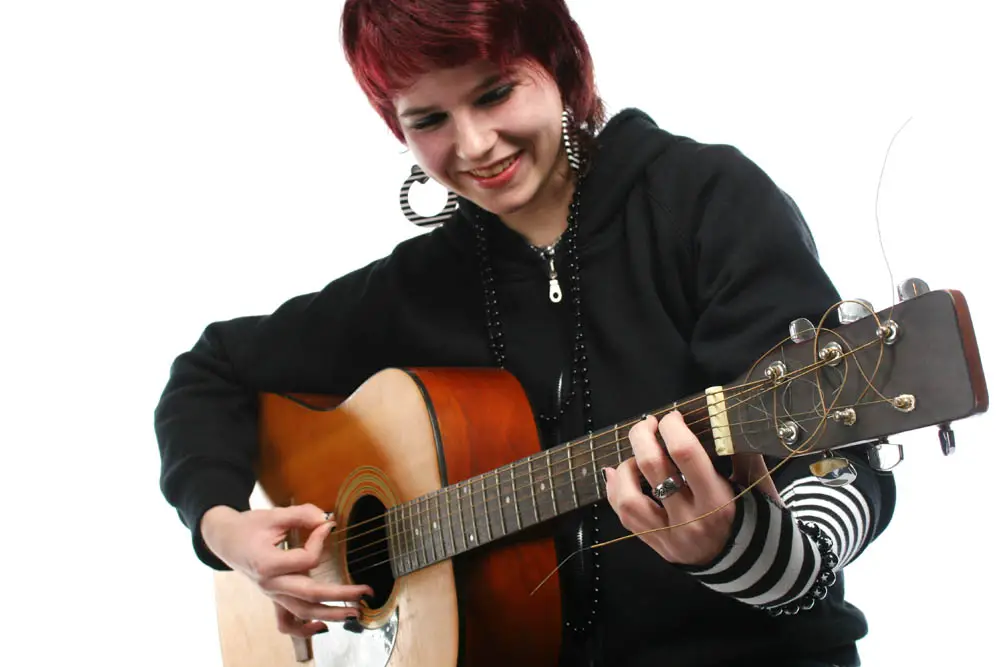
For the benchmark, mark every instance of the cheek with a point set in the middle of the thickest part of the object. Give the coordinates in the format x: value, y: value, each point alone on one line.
x: 432, y: 156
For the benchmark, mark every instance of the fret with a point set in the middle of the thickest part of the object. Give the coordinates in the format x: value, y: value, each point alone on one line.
x: 503, y: 524
x: 551, y: 482
x: 524, y: 497
x: 405, y: 532
x: 513, y: 495
x: 418, y: 556
x: 438, y: 528
x: 594, y: 466
x: 461, y: 521
x: 393, y: 542
x: 465, y: 500
x: 480, y: 511
x: 426, y: 531
x: 618, y: 446
x: 583, y: 473
x: 572, y: 477
x: 531, y: 486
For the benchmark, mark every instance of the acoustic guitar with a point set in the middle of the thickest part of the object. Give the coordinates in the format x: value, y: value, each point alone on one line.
x: 441, y: 490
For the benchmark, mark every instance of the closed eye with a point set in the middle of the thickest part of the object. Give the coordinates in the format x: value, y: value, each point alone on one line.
x: 495, y: 96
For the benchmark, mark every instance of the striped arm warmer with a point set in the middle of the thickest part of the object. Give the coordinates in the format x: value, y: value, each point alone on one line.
x: 784, y: 559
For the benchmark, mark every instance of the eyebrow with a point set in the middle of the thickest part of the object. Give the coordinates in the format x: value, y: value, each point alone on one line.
x: 421, y: 111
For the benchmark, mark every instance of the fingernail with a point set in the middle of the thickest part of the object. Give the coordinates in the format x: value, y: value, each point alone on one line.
x: 604, y: 473
x: 353, y: 625
x: 325, y: 629
x: 328, y: 516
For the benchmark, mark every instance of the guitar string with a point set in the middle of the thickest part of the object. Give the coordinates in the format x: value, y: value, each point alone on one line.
x: 431, y: 546
x: 467, y: 485
x: 732, y: 393
x: 617, y: 453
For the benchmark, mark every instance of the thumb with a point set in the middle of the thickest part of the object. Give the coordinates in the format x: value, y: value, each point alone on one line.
x: 306, y: 516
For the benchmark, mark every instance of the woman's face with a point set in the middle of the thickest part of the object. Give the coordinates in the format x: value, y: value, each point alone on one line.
x: 491, y: 139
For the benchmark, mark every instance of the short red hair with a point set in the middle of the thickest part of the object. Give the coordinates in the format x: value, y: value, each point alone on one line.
x: 389, y: 43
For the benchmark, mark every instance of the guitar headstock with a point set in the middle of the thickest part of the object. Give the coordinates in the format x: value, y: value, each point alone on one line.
x: 862, y: 378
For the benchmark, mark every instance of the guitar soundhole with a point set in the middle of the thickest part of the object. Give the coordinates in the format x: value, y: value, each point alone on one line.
x: 368, y: 548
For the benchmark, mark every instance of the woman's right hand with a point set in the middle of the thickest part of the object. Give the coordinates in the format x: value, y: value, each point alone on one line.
x: 249, y: 542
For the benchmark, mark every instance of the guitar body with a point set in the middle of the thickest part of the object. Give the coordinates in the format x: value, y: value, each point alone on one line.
x: 401, y: 435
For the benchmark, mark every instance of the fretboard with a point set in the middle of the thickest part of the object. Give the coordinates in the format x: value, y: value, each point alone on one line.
x: 488, y: 507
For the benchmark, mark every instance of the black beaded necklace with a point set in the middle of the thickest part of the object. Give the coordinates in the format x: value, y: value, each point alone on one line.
x: 579, y: 374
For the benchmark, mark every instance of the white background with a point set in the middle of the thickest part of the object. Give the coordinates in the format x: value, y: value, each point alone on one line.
x: 163, y: 165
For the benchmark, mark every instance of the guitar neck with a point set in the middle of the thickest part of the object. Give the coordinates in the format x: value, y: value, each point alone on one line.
x: 514, y: 497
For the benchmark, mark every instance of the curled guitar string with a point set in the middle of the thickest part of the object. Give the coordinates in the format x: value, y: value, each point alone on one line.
x: 485, y: 492
x: 467, y: 486
x: 869, y: 382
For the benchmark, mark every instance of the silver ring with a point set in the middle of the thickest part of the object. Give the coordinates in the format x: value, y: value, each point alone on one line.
x: 669, y: 487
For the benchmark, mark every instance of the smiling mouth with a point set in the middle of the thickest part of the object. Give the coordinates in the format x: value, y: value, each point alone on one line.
x: 489, y: 172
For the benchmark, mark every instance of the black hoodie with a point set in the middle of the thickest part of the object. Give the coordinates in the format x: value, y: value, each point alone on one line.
x: 693, y: 263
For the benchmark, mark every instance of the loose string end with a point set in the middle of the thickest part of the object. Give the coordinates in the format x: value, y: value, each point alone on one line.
x: 558, y: 567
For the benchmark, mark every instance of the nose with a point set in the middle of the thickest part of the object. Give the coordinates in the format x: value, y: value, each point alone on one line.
x: 473, y: 138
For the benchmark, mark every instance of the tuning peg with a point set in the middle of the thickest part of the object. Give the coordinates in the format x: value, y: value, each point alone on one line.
x: 854, y: 310
x: 801, y: 330
x: 911, y: 288
x: 947, y: 438
x: 883, y: 456
x: 833, y: 470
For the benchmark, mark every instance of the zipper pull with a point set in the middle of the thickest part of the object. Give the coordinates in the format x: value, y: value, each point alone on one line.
x: 555, y: 291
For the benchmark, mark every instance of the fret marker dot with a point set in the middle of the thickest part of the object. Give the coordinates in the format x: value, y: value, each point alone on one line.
x: 472, y: 538
x: 506, y: 499
x: 417, y: 531
x: 543, y: 487
x: 583, y: 471
x: 435, y: 524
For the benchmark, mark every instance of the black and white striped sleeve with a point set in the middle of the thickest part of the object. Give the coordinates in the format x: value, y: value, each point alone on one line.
x: 784, y: 559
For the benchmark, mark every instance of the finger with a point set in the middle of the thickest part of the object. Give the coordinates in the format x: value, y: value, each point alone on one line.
x: 289, y: 624
x: 689, y: 456
x: 299, y: 559
x: 636, y: 511
x: 650, y: 456
x: 308, y: 611
x: 308, y: 589
x: 748, y: 468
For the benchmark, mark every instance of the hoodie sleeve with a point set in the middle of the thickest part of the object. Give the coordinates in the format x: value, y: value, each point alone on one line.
x: 206, y: 418
x: 755, y: 269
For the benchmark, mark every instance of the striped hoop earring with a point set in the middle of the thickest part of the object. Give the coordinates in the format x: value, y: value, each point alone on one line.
x: 417, y: 175
x: 571, y: 140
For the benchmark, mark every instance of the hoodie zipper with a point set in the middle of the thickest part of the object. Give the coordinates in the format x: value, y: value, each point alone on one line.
x: 548, y: 254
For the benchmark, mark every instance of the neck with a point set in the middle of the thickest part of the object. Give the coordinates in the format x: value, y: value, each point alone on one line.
x: 517, y: 496
x: 542, y: 220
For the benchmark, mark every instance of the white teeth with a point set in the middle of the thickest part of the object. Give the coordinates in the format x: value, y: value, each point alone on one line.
x: 489, y: 173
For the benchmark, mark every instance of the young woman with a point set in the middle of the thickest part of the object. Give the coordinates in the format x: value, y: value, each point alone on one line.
x: 612, y: 267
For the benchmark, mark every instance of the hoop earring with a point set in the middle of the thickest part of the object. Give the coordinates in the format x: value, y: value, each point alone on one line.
x: 417, y: 175
x: 571, y: 140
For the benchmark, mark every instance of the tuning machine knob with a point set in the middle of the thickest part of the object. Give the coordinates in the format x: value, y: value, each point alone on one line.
x: 883, y: 455
x: 911, y: 288
x: 946, y: 436
x: 854, y: 310
x: 834, y: 470
x: 801, y: 330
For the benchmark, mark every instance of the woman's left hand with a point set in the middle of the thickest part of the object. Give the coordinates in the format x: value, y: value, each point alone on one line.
x: 697, y: 543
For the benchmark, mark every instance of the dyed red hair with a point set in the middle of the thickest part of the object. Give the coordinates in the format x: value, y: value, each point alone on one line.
x: 389, y: 43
